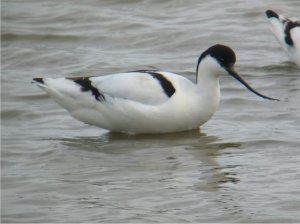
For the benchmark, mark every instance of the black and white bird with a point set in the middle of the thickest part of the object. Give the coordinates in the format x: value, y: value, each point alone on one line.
x: 147, y: 101
x: 287, y: 32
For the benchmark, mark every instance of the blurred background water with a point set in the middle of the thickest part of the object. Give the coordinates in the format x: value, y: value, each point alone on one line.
x: 243, y: 166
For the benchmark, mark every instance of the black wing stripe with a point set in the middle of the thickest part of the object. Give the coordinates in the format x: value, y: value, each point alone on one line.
x: 271, y: 14
x: 288, y: 27
x: 86, y: 85
x: 166, y: 85
x: 40, y: 80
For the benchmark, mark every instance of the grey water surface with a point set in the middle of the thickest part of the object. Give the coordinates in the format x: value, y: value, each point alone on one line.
x: 242, y: 166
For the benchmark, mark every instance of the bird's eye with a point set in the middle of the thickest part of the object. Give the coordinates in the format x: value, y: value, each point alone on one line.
x: 222, y: 60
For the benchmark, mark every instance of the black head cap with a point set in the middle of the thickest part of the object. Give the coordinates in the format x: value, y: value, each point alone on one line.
x: 271, y: 14
x: 223, y: 54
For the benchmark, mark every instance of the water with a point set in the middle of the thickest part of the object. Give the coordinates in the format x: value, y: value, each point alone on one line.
x: 243, y: 165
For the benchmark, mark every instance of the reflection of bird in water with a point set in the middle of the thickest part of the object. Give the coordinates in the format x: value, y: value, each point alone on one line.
x: 177, y: 151
x: 189, y: 162
x: 287, y: 32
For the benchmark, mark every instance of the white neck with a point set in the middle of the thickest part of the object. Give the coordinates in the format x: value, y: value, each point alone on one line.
x: 208, y: 86
x: 208, y: 77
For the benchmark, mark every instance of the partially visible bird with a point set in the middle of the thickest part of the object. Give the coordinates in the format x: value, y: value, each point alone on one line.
x: 147, y: 101
x: 287, y: 32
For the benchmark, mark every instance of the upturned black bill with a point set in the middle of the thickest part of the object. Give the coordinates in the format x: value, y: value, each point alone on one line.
x: 237, y: 77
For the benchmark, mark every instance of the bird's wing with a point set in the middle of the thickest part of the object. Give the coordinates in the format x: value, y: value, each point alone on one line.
x: 146, y: 87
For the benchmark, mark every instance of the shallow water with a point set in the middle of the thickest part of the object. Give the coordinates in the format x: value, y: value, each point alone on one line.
x: 243, y: 165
